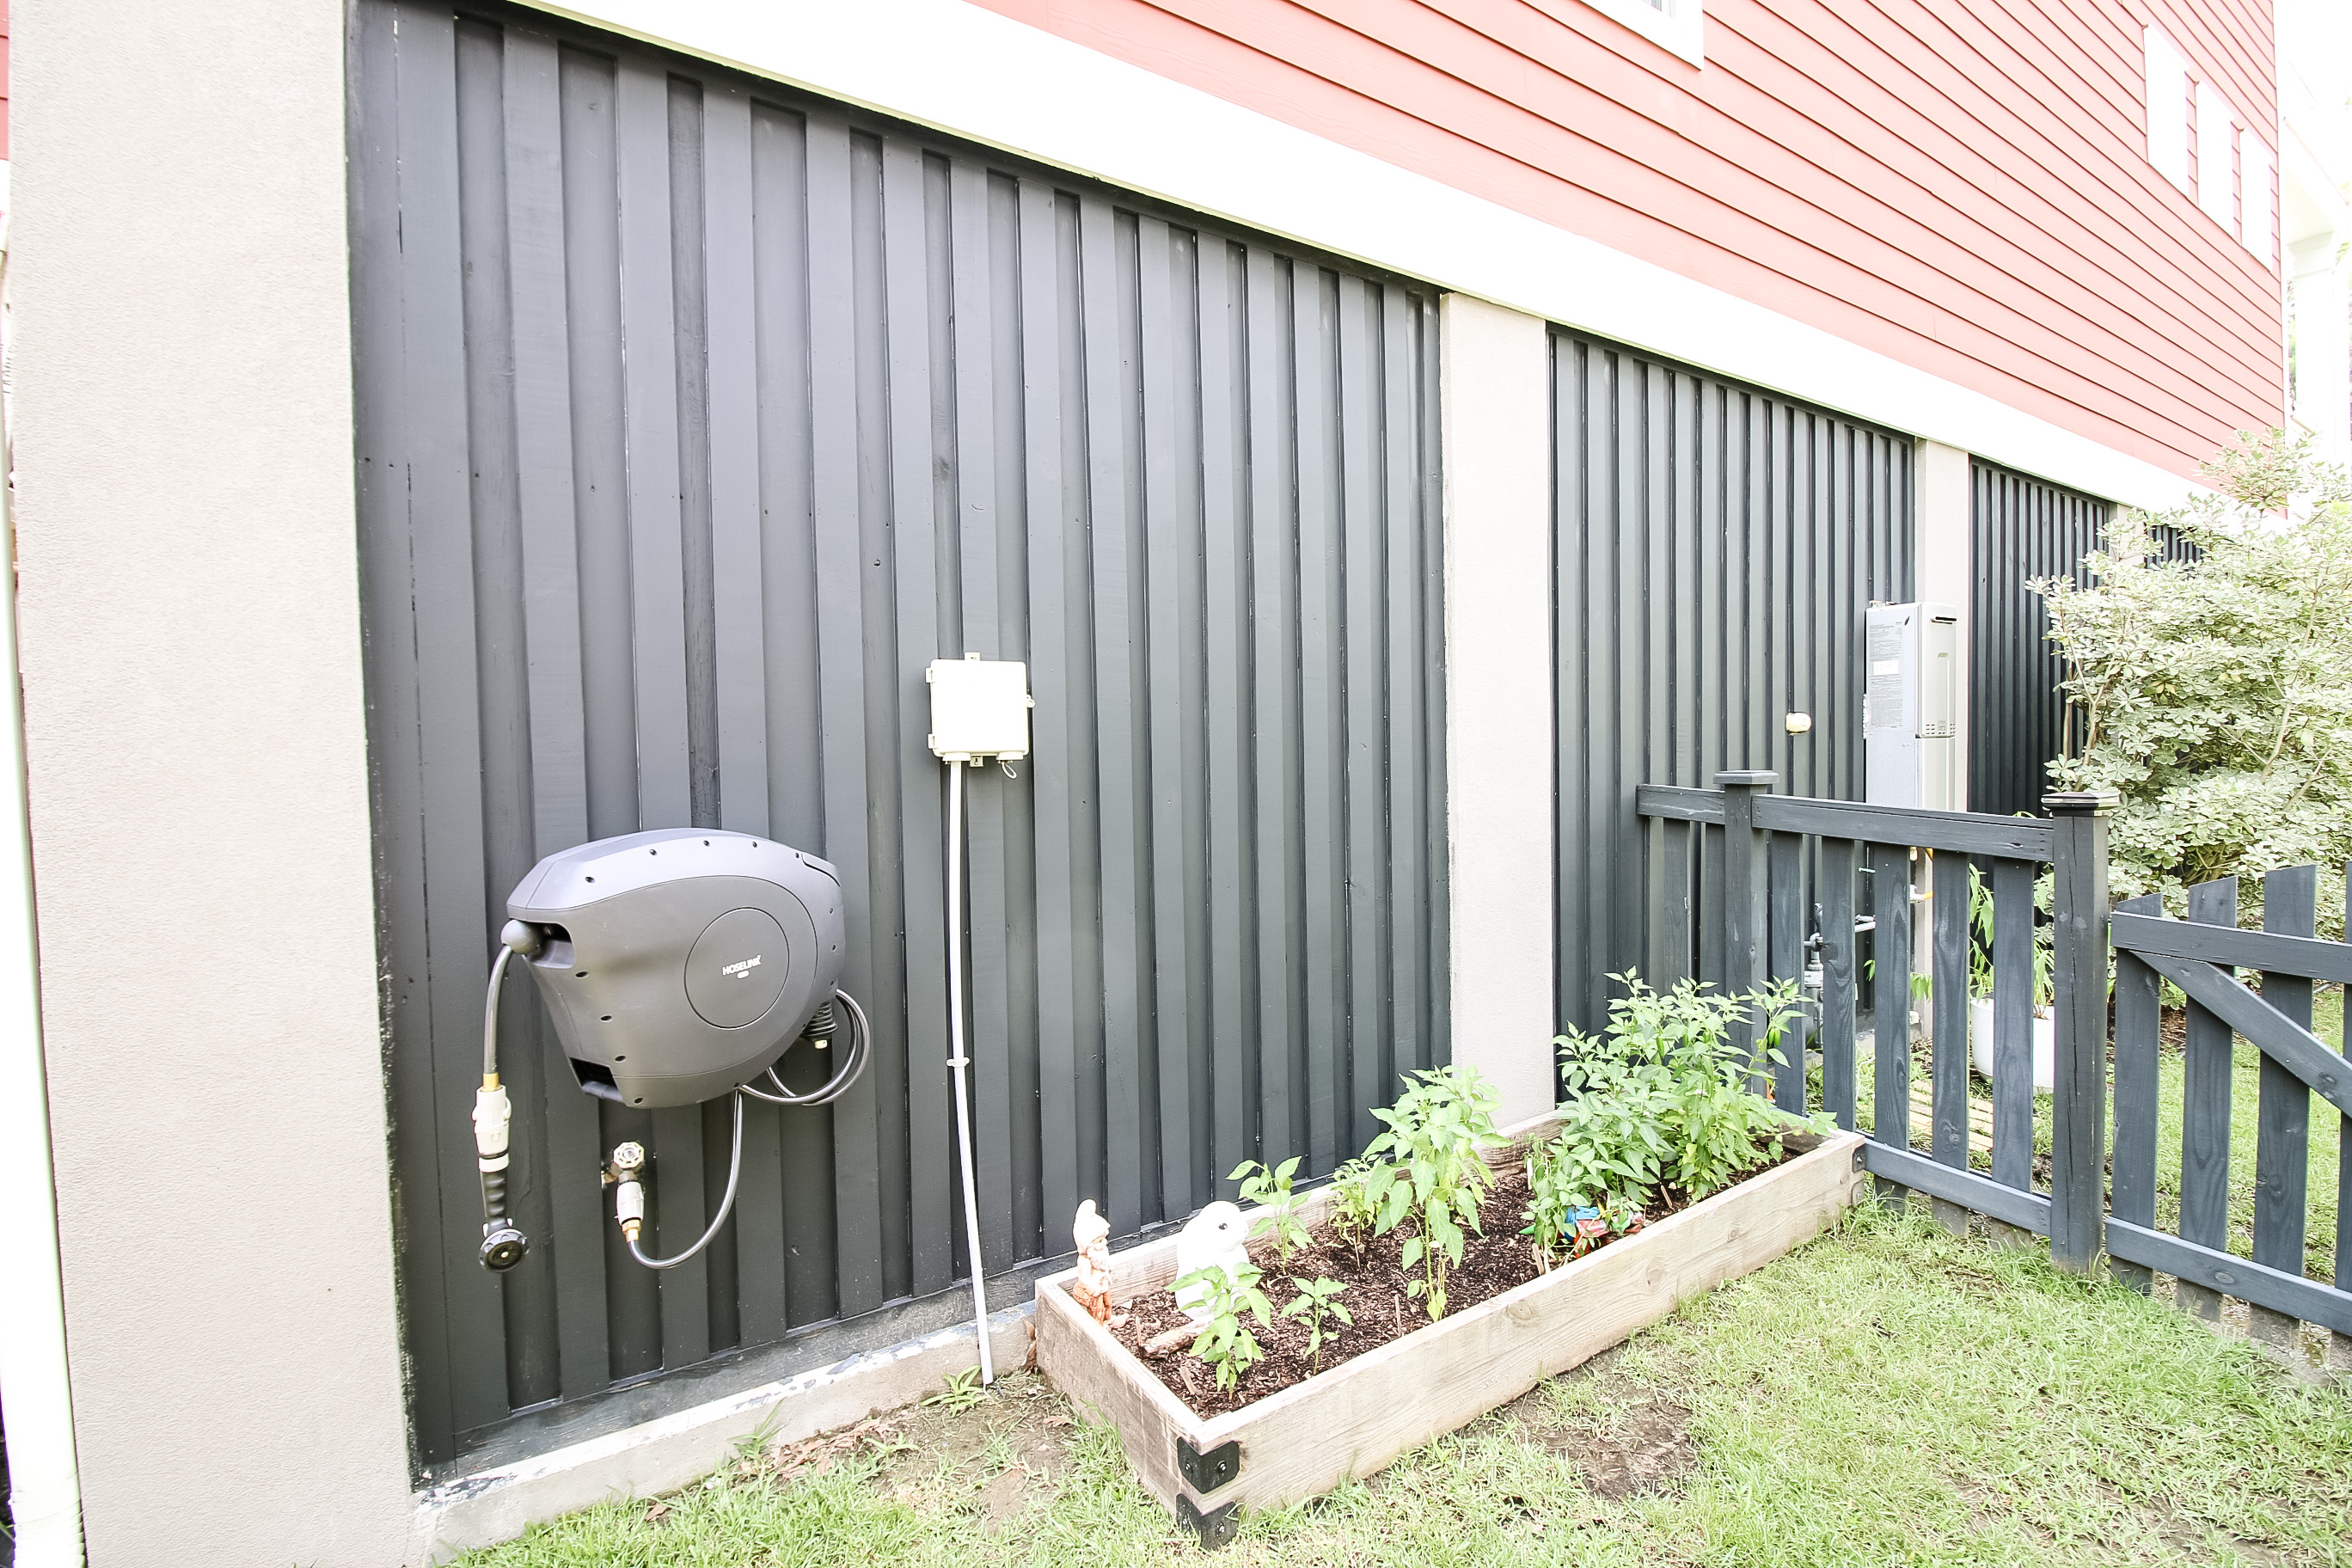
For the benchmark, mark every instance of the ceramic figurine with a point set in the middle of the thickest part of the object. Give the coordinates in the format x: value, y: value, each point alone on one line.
x: 1215, y: 1236
x: 1092, y: 1287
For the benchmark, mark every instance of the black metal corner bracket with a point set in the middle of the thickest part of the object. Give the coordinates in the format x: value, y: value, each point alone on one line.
x: 1207, y: 1472
x: 1215, y: 1526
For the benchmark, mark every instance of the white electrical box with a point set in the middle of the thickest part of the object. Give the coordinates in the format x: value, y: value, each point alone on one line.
x: 979, y: 707
x: 1911, y: 706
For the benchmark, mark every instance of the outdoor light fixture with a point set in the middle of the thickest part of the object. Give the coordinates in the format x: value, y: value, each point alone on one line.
x: 680, y: 965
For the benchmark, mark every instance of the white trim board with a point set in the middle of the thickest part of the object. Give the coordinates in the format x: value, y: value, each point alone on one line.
x: 977, y: 75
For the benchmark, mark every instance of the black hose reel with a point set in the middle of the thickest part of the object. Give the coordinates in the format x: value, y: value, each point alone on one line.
x: 680, y: 965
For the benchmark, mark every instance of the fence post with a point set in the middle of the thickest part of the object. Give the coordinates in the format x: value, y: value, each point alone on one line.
x: 2078, y: 1173
x: 1744, y: 908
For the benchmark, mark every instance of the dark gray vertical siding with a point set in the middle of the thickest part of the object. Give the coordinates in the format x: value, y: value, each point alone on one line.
x: 2016, y: 713
x: 696, y: 417
x: 1714, y: 548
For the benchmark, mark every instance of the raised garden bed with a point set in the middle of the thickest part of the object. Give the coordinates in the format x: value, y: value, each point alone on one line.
x: 1351, y: 1418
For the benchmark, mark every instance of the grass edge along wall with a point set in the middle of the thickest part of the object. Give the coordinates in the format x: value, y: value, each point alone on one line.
x: 647, y: 541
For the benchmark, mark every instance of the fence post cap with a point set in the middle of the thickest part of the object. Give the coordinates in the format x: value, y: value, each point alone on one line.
x: 1759, y: 777
x: 2080, y: 803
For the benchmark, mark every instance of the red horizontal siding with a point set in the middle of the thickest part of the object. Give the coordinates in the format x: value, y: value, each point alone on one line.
x: 1962, y: 185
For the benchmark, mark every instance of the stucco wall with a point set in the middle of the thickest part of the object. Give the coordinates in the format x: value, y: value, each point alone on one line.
x: 1494, y: 370
x: 197, y: 764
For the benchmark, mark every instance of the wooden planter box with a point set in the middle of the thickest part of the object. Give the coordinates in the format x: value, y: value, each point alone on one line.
x: 1351, y: 1421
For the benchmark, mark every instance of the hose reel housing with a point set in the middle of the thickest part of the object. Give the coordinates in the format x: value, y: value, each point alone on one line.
x: 679, y: 963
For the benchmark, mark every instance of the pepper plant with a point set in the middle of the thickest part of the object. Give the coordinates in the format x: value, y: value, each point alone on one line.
x: 1278, y: 1206
x: 1316, y: 1303
x: 1437, y: 1175
x: 1224, y: 1344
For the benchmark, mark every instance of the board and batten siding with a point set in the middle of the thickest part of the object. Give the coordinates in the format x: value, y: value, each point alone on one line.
x: 1962, y: 187
x: 1714, y: 548
x: 695, y: 418
x: 2023, y: 530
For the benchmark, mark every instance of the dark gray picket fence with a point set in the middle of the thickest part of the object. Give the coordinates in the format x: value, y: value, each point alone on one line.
x: 1745, y: 885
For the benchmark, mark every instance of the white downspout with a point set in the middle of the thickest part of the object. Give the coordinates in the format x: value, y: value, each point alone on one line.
x: 36, y: 1405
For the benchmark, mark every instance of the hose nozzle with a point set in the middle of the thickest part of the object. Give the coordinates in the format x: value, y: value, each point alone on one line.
x: 503, y: 1246
x: 625, y: 1176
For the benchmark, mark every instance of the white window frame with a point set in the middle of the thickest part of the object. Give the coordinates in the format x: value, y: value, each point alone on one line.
x: 1676, y: 25
x: 2217, y: 164
x: 2165, y: 81
x: 2257, y: 171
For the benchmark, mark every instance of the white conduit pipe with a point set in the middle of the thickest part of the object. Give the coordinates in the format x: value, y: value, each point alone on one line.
x: 958, y: 1060
x: 36, y: 1401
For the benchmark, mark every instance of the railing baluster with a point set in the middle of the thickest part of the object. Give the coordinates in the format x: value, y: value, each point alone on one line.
x: 2012, y: 1023
x: 2340, y: 1345
x: 1837, y: 980
x: 2283, y: 1110
x: 2205, y: 1112
x: 2139, y: 1024
x: 1744, y: 876
x: 1673, y: 963
x: 2079, y: 903
x: 1947, y: 939
x: 1890, y: 1004
x: 1786, y: 869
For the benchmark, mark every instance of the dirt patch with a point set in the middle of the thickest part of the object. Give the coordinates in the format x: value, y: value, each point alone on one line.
x: 983, y: 1459
x: 1496, y: 1261
x: 1637, y: 1442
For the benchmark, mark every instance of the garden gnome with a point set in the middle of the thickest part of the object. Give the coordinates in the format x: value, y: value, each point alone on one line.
x: 1214, y: 1239
x: 1092, y: 1288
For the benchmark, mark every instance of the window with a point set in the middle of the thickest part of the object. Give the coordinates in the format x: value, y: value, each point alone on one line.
x: 2234, y: 168
x: 2168, y: 108
x: 1676, y: 25
x: 2217, y: 189
x: 2257, y: 169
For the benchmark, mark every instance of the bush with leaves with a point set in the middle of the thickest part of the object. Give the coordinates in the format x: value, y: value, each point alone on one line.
x: 1436, y: 1172
x: 2214, y: 693
x: 1660, y: 1102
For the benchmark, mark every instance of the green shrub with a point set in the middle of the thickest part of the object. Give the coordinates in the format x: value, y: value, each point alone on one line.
x: 2214, y: 695
x: 1659, y: 1103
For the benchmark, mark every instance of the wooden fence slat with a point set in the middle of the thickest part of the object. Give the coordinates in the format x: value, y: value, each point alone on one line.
x: 2271, y: 951
x: 2139, y: 1030
x: 1744, y: 878
x: 1673, y: 803
x: 1786, y: 879
x: 2283, y: 1107
x: 1673, y: 962
x: 1958, y: 831
x: 2205, y: 1110
x: 2341, y: 1349
x: 2012, y: 1023
x: 2218, y: 1272
x: 1947, y: 946
x: 1837, y: 980
x: 1899, y: 1169
x: 1890, y: 1004
x: 2079, y: 970
x: 2235, y: 1007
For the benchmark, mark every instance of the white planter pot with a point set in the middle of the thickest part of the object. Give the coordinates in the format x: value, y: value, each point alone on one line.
x: 2046, y: 1042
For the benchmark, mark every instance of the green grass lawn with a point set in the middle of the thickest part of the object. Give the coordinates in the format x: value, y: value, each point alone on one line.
x: 1887, y: 1394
